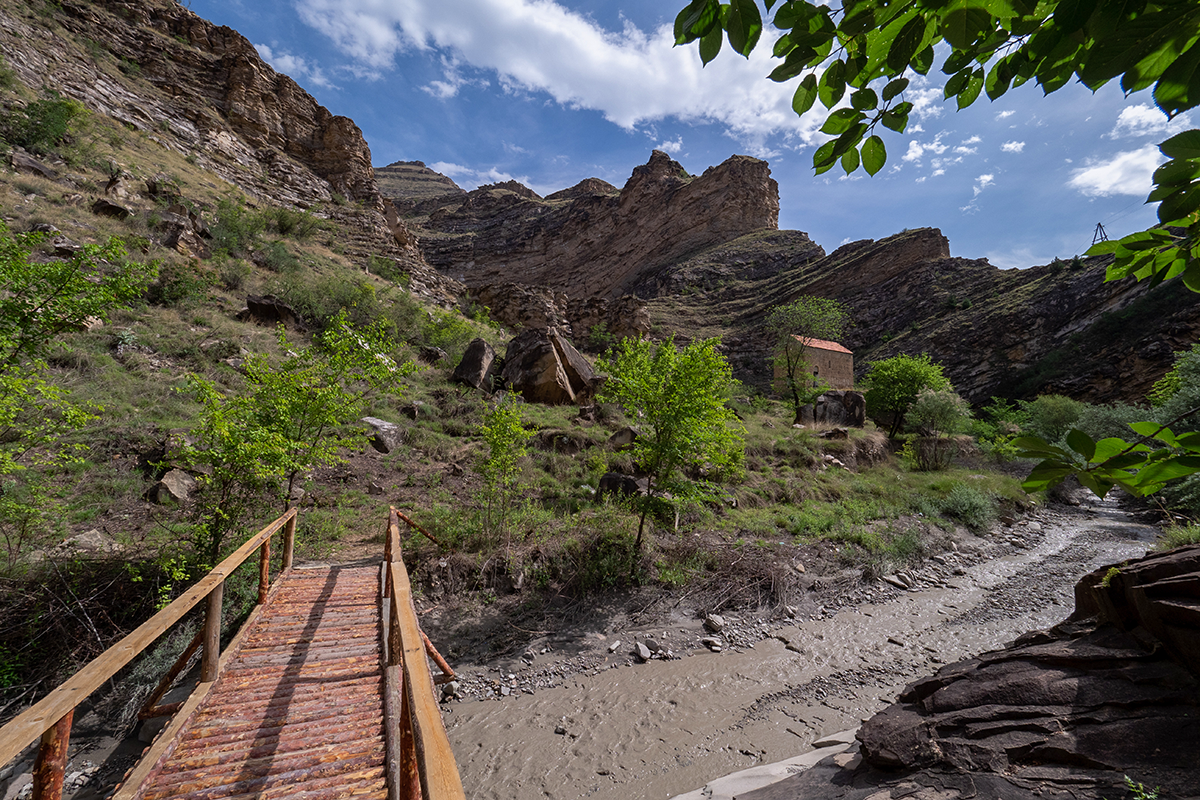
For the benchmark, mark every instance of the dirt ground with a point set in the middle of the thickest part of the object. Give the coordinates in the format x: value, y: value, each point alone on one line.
x: 554, y: 700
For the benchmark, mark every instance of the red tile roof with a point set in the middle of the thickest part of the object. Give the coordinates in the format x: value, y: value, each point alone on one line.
x: 821, y: 344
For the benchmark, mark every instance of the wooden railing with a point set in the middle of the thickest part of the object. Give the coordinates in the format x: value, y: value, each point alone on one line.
x: 420, y: 763
x: 51, y: 718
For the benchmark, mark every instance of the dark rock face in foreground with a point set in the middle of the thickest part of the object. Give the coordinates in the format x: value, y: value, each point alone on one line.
x: 1064, y: 713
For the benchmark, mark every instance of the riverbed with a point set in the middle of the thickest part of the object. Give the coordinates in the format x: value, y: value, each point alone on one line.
x: 593, y: 720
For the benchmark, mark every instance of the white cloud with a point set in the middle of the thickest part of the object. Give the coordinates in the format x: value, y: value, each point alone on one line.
x: 533, y: 46
x: 983, y: 182
x: 1005, y: 114
x: 296, y: 67
x: 671, y: 146
x: 1128, y: 172
x: 471, y: 178
x: 454, y: 80
x: 1144, y: 120
x: 967, y: 151
x: 972, y: 140
x: 1012, y: 147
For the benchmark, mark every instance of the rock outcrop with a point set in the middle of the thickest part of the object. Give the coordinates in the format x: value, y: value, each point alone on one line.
x: 1064, y: 713
x: 590, y: 240
x: 544, y: 368
x: 202, y: 91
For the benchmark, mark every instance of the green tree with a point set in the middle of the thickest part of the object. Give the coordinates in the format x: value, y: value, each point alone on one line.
x: 869, y: 48
x: 806, y: 318
x: 40, y: 299
x: 677, y: 398
x: 865, y: 51
x: 894, y: 383
x: 500, y: 465
x: 938, y: 414
x: 291, y: 418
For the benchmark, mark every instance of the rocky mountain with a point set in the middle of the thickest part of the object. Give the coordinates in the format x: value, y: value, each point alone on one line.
x: 703, y: 256
x: 592, y: 240
x: 201, y: 91
x: 414, y: 182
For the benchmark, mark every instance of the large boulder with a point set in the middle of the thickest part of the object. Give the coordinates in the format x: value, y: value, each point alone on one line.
x: 1062, y: 713
x: 840, y: 408
x: 476, y: 365
x: 385, y: 436
x: 544, y: 368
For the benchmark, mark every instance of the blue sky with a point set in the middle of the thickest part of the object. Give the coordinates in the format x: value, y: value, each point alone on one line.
x: 549, y: 92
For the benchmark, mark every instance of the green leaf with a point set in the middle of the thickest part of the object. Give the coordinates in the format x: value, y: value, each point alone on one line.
x: 744, y: 26
x: 1180, y: 205
x: 906, y: 44
x: 894, y: 121
x: 806, y: 94
x: 832, y: 85
x: 841, y: 121
x: 956, y: 61
x: 825, y: 158
x: 923, y: 60
x: 894, y: 88
x: 1081, y: 443
x: 1182, y: 145
x: 999, y: 78
x: 1035, y: 447
x: 791, y: 14
x: 971, y: 91
x: 874, y: 155
x: 850, y: 160
x: 1099, y: 486
x: 1177, y: 172
x: 1179, y: 87
x: 710, y: 44
x: 957, y: 83
x: 864, y: 99
x: 962, y: 26
x: 696, y: 20
x: 796, y: 62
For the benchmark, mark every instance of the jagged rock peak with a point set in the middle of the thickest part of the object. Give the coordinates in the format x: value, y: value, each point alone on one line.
x: 516, y: 187
x: 599, y: 244
x: 585, y: 188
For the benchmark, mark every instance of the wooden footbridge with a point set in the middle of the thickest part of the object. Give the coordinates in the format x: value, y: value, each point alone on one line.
x: 325, y: 692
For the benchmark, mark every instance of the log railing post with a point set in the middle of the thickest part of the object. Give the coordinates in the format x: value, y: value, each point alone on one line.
x: 289, y: 541
x: 50, y: 768
x: 212, y: 635
x: 264, y: 570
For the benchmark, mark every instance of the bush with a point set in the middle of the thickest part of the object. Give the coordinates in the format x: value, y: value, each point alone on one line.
x: 1178, y: 536
x: 974, y: 508
x: 894, y: 384
x: 1051, y: 416
x: 277, y: 258
x: 292, y: 222
x: 236, y: 229
x: 43, y: 124
x: 178, y: 285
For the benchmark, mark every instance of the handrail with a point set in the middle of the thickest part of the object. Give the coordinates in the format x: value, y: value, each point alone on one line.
x: 50, y: 718
x: 421, y: 764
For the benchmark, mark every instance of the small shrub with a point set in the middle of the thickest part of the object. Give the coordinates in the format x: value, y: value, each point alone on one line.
x: 277, y: 258
x: 179, y: 285
x: 8, y: 78
x: 293, y: 223
x: 970, y: 506
x: 43, y: 124
x: 1174, y: 536
x: 1051, y: 416
x: 236, y: 228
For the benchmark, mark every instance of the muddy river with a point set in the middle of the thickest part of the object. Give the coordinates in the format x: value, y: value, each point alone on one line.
x: 610, y: 727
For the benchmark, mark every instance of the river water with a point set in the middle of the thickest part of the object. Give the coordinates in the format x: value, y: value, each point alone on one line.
x: 627, y: 731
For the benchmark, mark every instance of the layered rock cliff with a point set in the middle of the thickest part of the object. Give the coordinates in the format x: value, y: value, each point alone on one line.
x: 591, y: 240
x: 202, y: 90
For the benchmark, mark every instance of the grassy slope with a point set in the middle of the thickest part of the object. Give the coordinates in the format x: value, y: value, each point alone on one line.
x: 136, y: 366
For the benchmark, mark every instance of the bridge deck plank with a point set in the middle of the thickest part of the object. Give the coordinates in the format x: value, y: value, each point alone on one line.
x: 275, y: 724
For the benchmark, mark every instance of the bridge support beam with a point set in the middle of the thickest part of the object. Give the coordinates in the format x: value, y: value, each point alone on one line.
x: 50, y: 768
